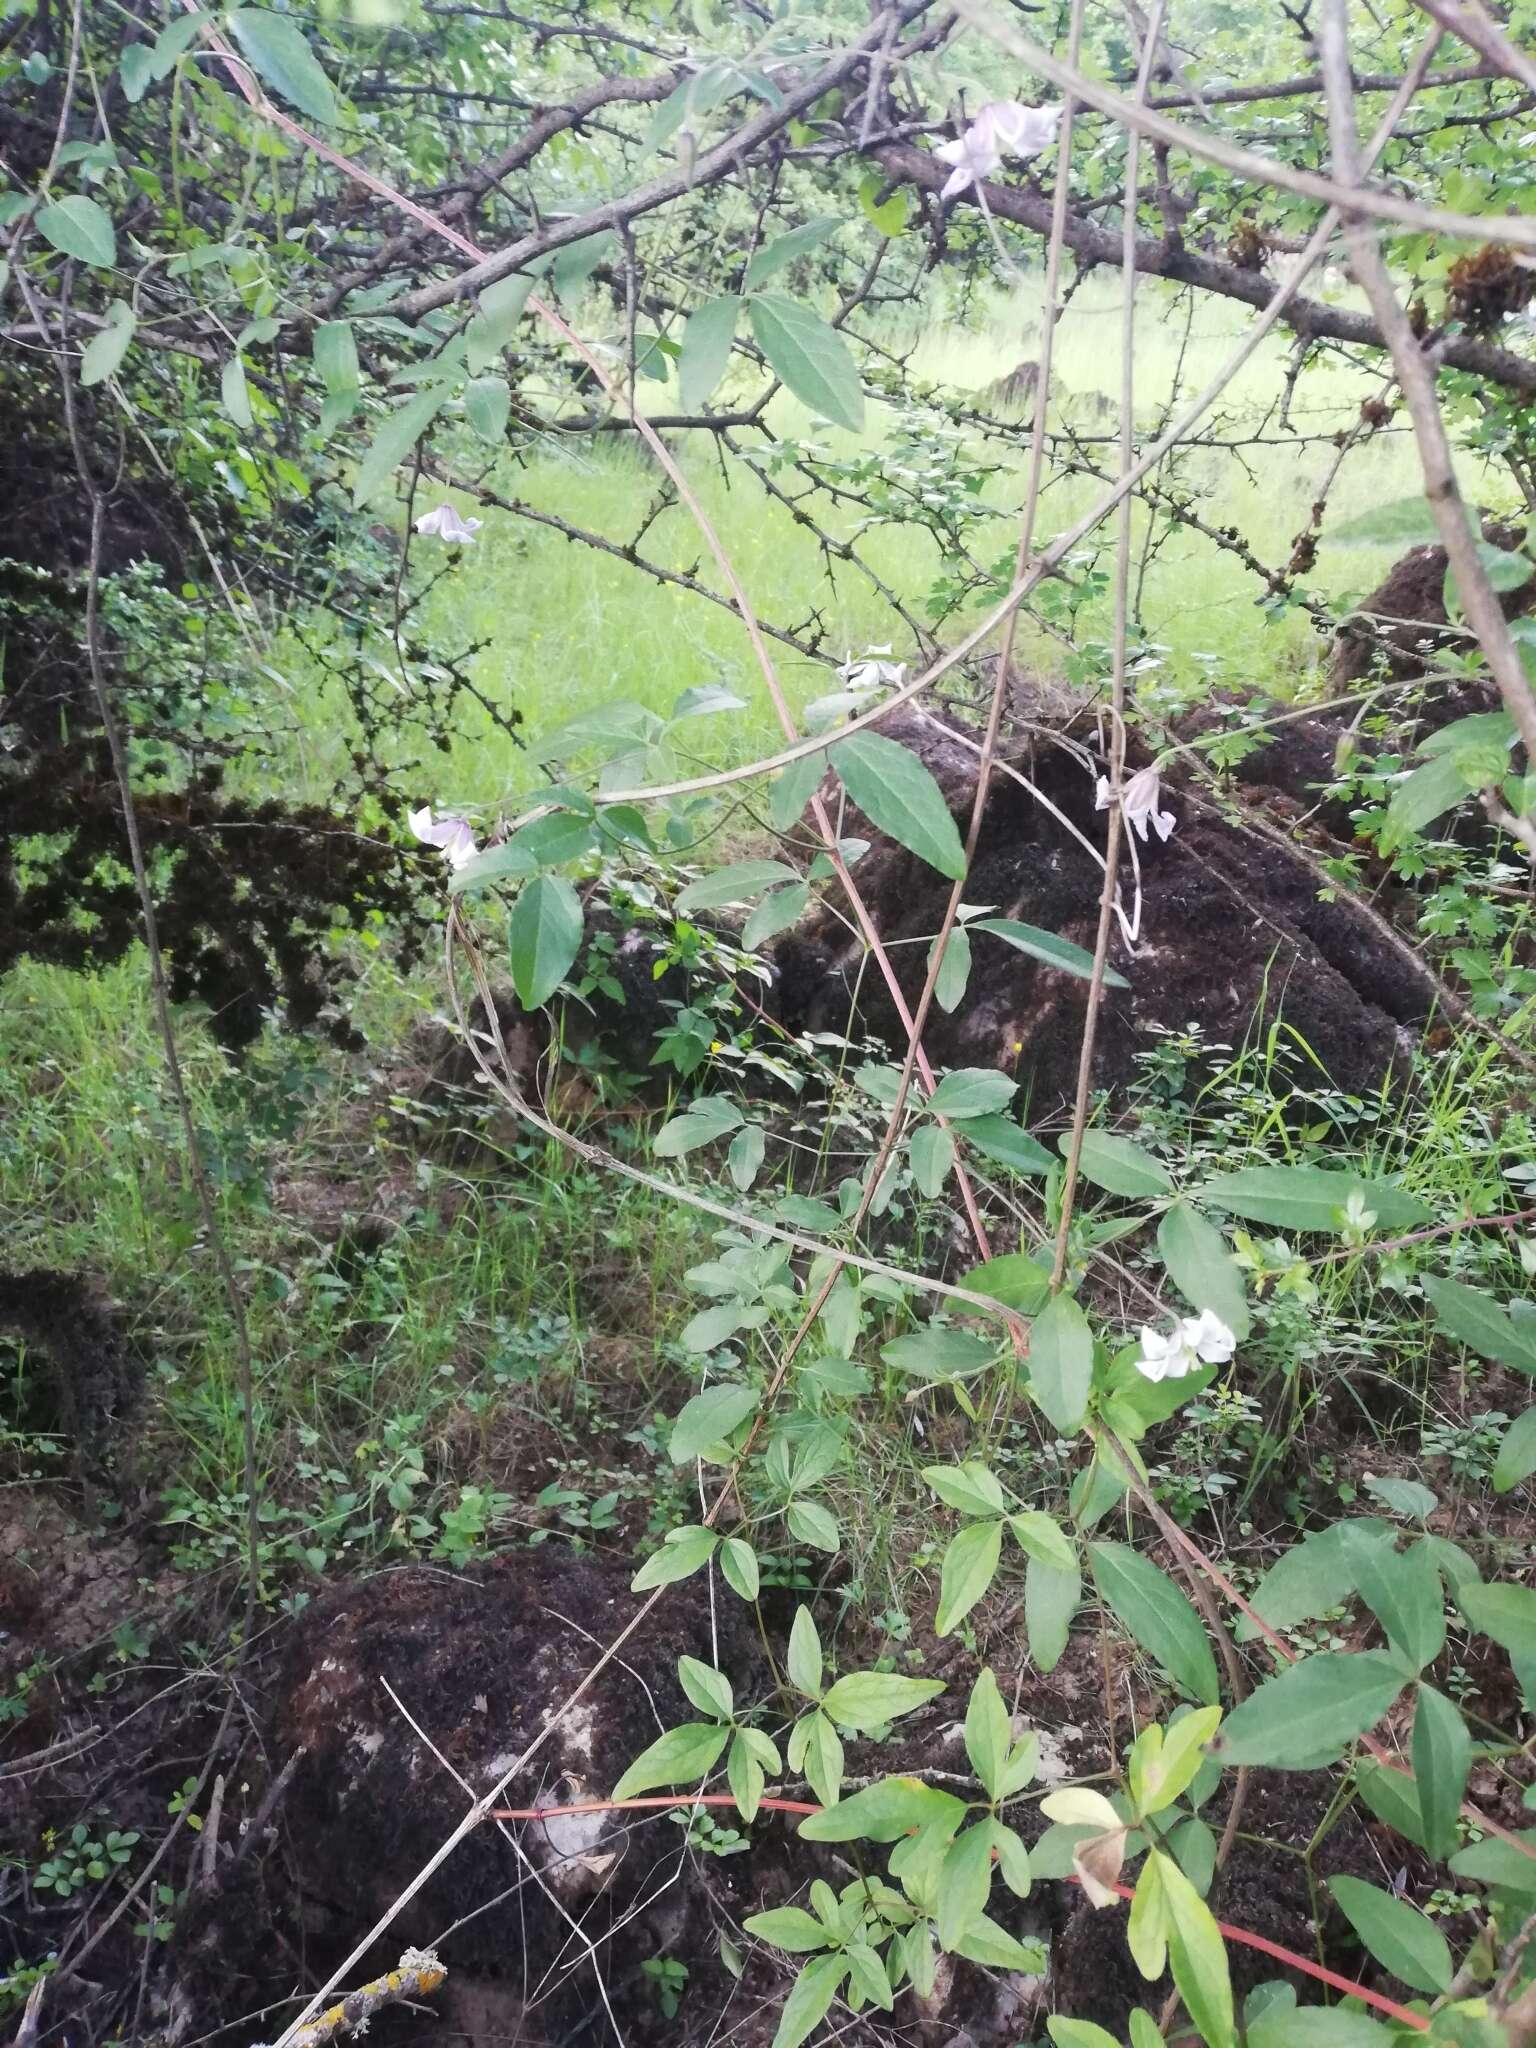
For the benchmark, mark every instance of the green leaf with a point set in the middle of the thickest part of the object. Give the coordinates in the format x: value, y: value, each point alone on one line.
x: 810, y: 2000
x: 1318, y: 2026
x: 1517, y: 1453
x: 738, y: 883
x: 709, y: 1690
x: 1015, y: 1279
x: 889, y: 215
x: 1198, y: 1956
x: 939, y: 1354
x: 954, y: 970
x: 1195, y: 1254
x: 104, y: 352
x: 745, y: 1157
x: 1047, y: 948
x: 283, y: 59
x: 488, y: 407
x: 809, y: 1522
x: 970, y: 1487
x: 793, y: 788
x: 970, y: 1565
x: 1442, y: 1757
x: 884, y: 1812
x: 805, y: 1655
x: 1505, y: 569
x: 1118, y: 1166
x: 1310, y: 1577
x: 972, y: 1091
x: 497, y: 313
x: 545, y: 931
x: 789, y: 1927
x: 683, y: 1552
x: 779, y: 909
x: 785, y: 249
x: 1152, y: 1610
x: 79, y: 227
x: 1310, y: 1198
x: 235, y: 392
x: 1475, y: 1319
x: 1308, y: 1715
x: 1393, y: 1797
x: 1400, y: 1938
x: 1078, y: 2034
x: 1061, y: 1363
x: 868, y: 1699
x: 1424, y: 795
x: 1402, y: 1590
x: 1039, y: 1536
x: 738, y: 1567
x: 1505, y: 1612
x: 815, y: 1751
x: 1506, y: 1865
x: 394, y: 439
x: 680, y: 1757
x: 897, y: 793
x: 932, y: 1153
x: 1401, y: 523
x: 744, y: 1775
x: 866, y: 1973
x: 1051, y: 1598
x: 988, y: 1734
x: 965, y: 1881
x: 335, y: 352
x: 1000, y: 1138
x: 706, y: 350
x: 708, y: 1419
x: 706, y: 1118
x: 809, y: 357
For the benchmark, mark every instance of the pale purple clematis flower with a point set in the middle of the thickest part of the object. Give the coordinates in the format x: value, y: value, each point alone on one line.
x: 443, y: 523
x: 1139, y: 800
x: 1002, y: 128
x: 1194, y: 1341
x: 451, y: 835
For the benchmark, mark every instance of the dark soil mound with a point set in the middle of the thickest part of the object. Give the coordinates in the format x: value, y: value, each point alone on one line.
x: 1405, y: 619
x: 1232, y: 936
x: 62, y: 1351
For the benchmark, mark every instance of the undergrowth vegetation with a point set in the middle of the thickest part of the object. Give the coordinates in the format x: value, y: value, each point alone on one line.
x: 733, y: 917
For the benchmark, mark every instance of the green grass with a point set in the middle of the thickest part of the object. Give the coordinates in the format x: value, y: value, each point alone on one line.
x: 568, y: 629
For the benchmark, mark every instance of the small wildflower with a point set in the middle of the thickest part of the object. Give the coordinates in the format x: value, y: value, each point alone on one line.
x: 451, y: 835
x: 869, y: 671
x: 444, y: 523
x: 1096, y: 1860
x: 1002, y: 128
x: 1139, y: 801
x: 1195, y: 1341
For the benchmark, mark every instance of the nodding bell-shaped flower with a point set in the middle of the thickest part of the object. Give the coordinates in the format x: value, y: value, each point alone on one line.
x: 1139, y: 800
x: 1002, y: 128
x: 1195, y: 1341
x: 869, y: 671
x: 443, y: 523
x: 451, y: 835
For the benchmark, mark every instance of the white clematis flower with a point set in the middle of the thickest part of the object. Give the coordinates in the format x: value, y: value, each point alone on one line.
x: 451, y: 835
x: 869, y: 671
x: 1017, y: 130
x: 1139, y: 800
x: 1002, y: 128
x: 443, y: 523
x: 1195, y: 1341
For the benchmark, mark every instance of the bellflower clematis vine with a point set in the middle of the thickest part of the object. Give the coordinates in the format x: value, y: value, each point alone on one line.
x: 451, y: 835
x: 443, y: 523
x: 1139, y: 799
x: 1002, y: 128
x: 1195, y: 1341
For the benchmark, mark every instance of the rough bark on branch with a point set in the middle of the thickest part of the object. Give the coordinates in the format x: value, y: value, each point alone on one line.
x: 1029, y: 208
